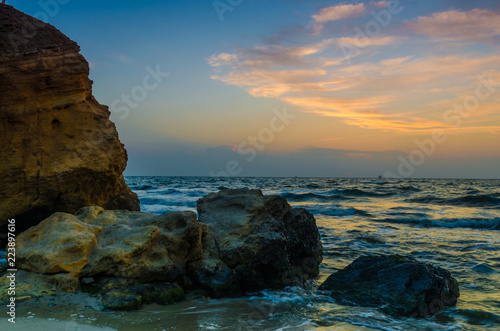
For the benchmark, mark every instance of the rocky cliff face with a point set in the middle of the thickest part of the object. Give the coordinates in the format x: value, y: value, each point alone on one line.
x: 59, y: 151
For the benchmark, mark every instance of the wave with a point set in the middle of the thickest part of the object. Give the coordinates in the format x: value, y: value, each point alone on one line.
x: 467, y: 201
x: 361, y: 193
x: 142, y: 187
x: 333, y: 195
x: 166, y: 201
x: 300, y: 197
x: 409, y: 189
x: 341, y: 212
x: 485, y: 223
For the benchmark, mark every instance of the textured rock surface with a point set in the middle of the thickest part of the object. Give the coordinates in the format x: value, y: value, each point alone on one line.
x: 252, y: 242
x: 59, y: 244
x: 266, y: 242
x: 99, y: 243
x: 400, y: 286
x: 59, y: 149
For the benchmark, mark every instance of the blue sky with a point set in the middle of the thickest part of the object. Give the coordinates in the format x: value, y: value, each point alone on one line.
x: 372, y: 111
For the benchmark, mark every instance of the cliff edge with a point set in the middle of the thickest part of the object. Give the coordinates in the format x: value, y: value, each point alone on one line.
x: 59, y: 149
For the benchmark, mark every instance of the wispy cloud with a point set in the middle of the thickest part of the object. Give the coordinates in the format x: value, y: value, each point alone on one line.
x: 380, y: 4
x: 395, y: 61
x: 222, y: 59
x: 476, y: 25
x: 377, y: 90
x: 367, y: 42
x: 335, y: 13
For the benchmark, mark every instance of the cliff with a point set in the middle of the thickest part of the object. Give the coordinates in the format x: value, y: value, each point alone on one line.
x: 59, y: 149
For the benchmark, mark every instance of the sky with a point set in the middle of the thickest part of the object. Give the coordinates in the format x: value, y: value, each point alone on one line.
x: 404, y: 89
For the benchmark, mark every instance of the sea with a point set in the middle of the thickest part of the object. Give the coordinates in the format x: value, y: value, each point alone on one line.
x: 452, y: 223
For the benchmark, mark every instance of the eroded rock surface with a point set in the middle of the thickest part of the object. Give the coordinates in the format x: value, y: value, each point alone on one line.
x: 59, y: 150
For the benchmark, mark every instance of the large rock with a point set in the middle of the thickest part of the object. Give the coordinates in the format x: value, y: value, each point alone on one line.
x: 59, y: 150
x: 266, y: 242
x: 130, y: 258
x: 250, y: 242
x: 103, y: 243
x: 400, y: 286
x: 59, y: 244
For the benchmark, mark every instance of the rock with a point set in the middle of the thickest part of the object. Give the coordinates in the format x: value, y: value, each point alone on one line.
x: 32, y: 285
x: 398, y: 285
x: 262, y: 239
x: 129, y: 257
x: 59, y: 150
x: 250, y: 242
x: 211, y: 273
x: 122, y: 301
x: 129, y: 294
x: 143, y: 246
x: 61, y: 243
x: 95, y: 242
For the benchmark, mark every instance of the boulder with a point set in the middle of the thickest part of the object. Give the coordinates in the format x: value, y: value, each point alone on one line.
x: 59, y: 150
x: 398, y: 285
x: 104, y: 243
x: 267, y: 243
x: 250, y: 242
x: 130, y: 258
x: 60, y: 244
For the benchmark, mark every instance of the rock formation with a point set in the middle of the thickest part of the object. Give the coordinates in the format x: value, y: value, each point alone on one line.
x: 400, y: 286
x: 266, y: 242
x: 59, y: 150
x: 249, y: 242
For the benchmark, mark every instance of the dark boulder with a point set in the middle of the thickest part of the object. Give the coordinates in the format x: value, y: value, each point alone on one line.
x: 262, y: 239
x: 398, y: 285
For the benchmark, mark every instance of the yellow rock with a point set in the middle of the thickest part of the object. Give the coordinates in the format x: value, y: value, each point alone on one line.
x: 59, y: 244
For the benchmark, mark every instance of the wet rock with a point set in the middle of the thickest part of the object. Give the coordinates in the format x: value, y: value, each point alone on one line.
x: 33, y: 285
x: 261, y: 238
x: 398, y: 285
x: 131, y: 294
x: 211, y: 273
x: 122, y: 301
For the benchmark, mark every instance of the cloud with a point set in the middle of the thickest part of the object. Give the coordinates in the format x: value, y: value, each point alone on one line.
x: 335, y: 13
x: 366, y: 42
x: 476, y: 25
x: 380, y: 4
x: 374, y: 89
x: 363, y: 112
x: 222, y: 59
x: 395, y: 61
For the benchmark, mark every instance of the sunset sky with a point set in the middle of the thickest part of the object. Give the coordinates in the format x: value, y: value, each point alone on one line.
x: 403, y: 88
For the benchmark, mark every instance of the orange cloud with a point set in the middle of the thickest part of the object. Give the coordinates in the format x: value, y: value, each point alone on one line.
x: 366, y: 42
x: 395, y: 61
x: 377, y: 91
x: 222, y: 59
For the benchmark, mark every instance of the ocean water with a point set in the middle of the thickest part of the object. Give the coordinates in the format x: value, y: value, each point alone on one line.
x: 452, y: 223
